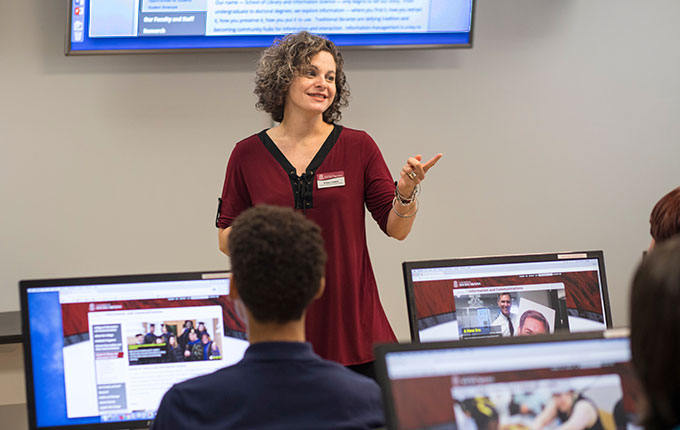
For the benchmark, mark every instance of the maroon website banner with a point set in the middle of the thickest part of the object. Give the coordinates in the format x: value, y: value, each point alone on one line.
x: 582, y: 290
x: 74, y: 315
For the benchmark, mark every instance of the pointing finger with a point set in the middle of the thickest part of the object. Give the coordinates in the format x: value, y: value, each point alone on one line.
x: 427, y: 166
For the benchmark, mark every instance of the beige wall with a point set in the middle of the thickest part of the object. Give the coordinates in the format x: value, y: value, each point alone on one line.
x: 559, y: 130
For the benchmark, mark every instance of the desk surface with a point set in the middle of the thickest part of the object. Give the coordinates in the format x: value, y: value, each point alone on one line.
x: 10, y: 327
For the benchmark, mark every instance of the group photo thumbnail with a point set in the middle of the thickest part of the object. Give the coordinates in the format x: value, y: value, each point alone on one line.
x: 172, y: 341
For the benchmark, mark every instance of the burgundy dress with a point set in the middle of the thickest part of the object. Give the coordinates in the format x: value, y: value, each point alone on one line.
x: 347, y: 175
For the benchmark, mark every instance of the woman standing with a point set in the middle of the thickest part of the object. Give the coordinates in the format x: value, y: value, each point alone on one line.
x: 330, y: 173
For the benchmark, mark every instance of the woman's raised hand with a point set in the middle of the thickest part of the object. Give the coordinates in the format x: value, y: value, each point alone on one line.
x: 414, y: 172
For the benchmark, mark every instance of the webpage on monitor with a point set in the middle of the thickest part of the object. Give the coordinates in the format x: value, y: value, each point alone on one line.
x: 123, y: 346
x: 465, y: 301
x: 513, y: 384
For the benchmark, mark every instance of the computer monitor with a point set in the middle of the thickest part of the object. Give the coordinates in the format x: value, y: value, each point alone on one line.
x: 103, y: 351
x: 516, y: 383
x: 506, y: 295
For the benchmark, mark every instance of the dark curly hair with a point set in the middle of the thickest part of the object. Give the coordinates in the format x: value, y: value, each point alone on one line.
x: 664, y: 221
x: 285, y: 59
x: 654, y: 331
x: 277, y: 262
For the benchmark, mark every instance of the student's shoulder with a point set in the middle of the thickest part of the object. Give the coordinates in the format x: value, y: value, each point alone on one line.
x: 343, y: 378
x: 349, y: 390
x: 211, y: 383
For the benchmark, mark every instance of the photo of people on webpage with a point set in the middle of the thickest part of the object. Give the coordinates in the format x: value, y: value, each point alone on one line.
x: 579, y: 403
x: 177, y: 341
x: 510, y: 311
x: 450, y: 309
x: 600, y: 398
x: 120, y: 357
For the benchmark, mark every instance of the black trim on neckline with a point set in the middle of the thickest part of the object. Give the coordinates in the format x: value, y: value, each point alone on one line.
x: 303, y: 185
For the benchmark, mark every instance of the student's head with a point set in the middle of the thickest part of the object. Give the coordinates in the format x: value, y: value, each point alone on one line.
x: 140, y: 338
x: 205, y: 337
x: 654, y: 332
x: 201, y: 326
x: 533, y: 322
x: 152, y: 327
x: 288, y: 59
x: 193, y: 337
x: 664, y: 221
x: 277, y: 262
x: 504, y: 303
x: 164, y: 328
x: 172, y: 341
x: 188, y: 324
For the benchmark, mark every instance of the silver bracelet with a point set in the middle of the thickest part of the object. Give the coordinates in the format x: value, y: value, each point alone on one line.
x: 394, y: 208
x: 406, y: 200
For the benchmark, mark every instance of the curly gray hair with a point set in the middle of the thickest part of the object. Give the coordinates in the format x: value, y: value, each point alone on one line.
x: 287, y: 58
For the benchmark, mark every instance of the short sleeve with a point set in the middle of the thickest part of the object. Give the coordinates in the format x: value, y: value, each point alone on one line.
x: 379, y: 185
x: 235, y: 198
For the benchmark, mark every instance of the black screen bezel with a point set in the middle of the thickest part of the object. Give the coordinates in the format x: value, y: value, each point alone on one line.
x: 382, y: 350
x: 25, y: 285
x: 68, y: 51
x: 408, y: 266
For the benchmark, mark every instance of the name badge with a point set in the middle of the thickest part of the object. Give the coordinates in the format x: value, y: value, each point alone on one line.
x: 330, y: 179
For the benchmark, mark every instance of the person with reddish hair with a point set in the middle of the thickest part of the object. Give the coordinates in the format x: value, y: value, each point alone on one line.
x: 664, y: 221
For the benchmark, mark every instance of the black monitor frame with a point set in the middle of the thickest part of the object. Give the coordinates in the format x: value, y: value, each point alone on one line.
x: 382, y: 350
x: 68, y: 51
x: 408, y: 266
x: 24, y: 285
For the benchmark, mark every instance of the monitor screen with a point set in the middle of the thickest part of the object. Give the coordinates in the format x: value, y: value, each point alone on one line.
x: 106, y: 349
x: 506, y: 296
x: 515, y: 383
x: 105, y: 26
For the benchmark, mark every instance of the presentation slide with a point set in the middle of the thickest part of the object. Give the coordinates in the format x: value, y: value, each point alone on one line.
x: 105, y: 25
x: 262, y: 17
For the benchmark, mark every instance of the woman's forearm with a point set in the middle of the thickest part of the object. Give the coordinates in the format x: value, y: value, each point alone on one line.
x: 399, y: 224
x: 223, y: 240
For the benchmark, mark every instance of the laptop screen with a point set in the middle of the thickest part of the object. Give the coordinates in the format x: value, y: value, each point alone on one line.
x: 519, y: 383
x: 105, y: 350
x: 506, y: 296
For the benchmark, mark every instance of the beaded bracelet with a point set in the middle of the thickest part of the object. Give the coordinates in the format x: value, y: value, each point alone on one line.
x: 406, y: 200
x: 394, y: 207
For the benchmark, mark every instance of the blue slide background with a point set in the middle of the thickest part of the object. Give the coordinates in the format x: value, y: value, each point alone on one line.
x: 216, y: 42
x: 47, y: 342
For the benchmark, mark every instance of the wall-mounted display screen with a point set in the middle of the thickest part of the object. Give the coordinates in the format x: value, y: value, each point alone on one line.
x: 120, y: 26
